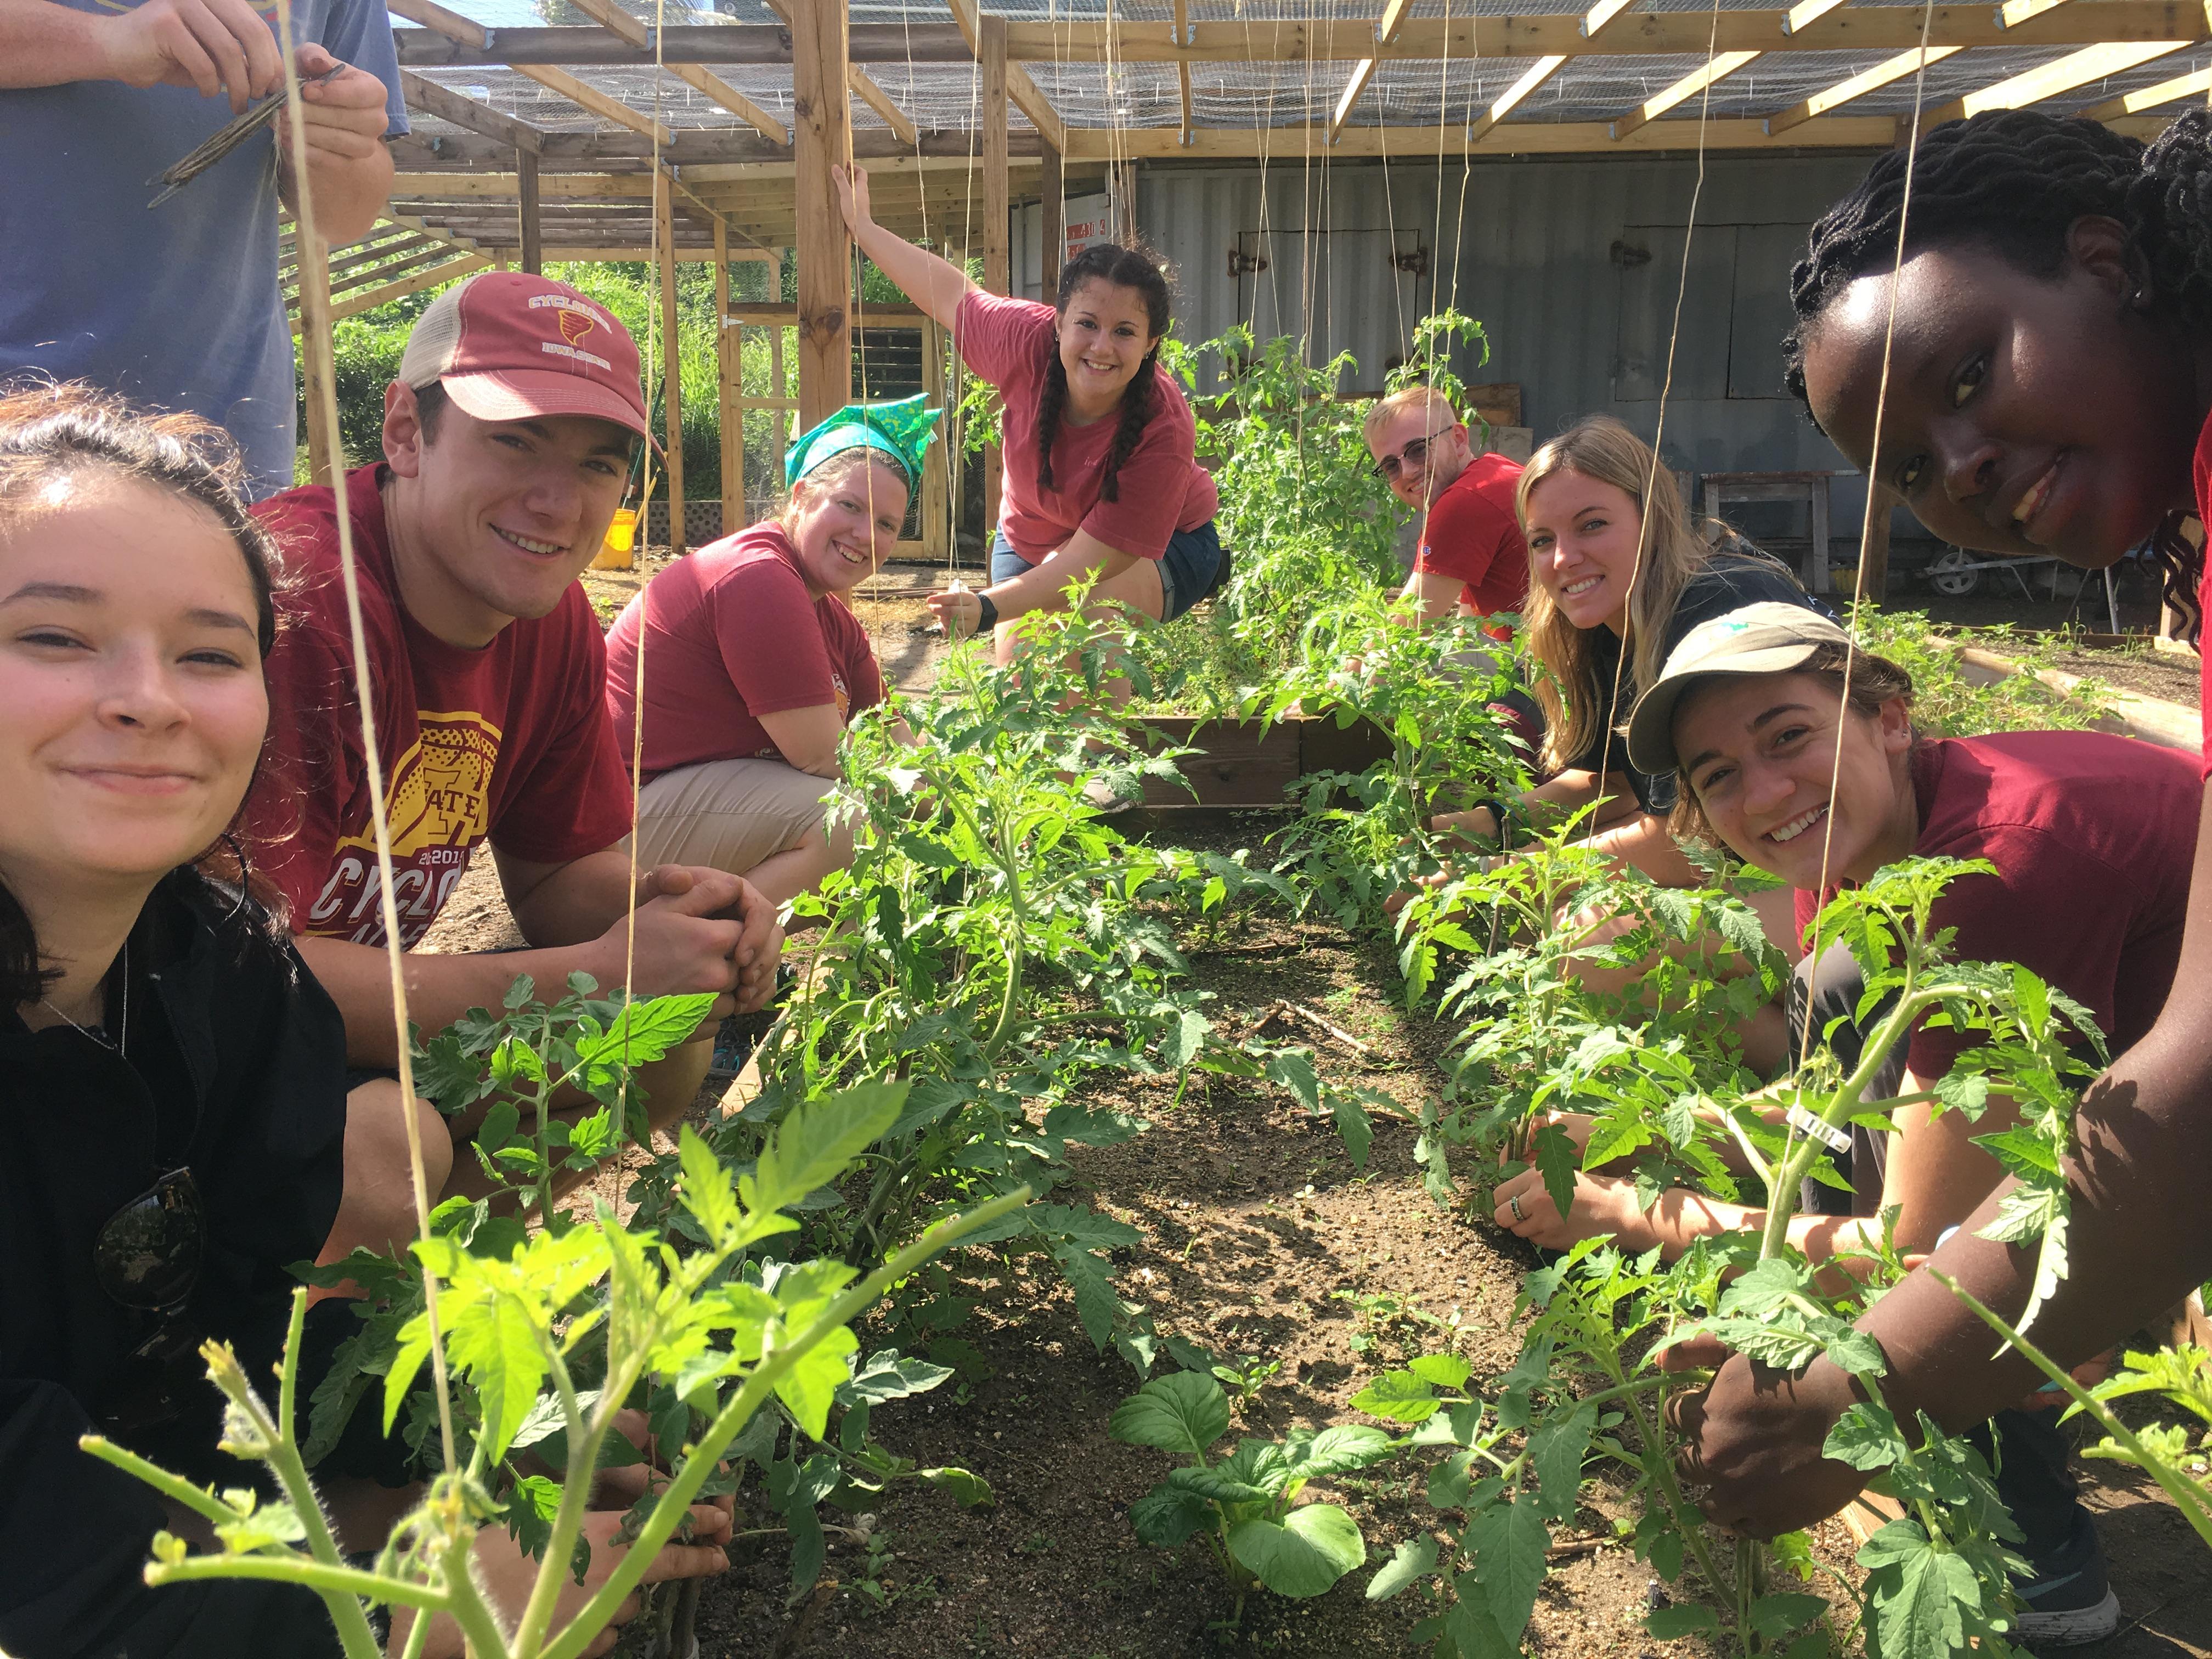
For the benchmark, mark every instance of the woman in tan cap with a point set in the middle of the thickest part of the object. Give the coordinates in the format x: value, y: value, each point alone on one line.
x: 1823, y: 780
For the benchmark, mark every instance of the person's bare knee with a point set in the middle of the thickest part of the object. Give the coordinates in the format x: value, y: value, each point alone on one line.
x: 673, y: 1082
x: 376, y: 1209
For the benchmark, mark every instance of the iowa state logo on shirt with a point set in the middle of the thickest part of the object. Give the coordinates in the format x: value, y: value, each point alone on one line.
x: 439, y: 807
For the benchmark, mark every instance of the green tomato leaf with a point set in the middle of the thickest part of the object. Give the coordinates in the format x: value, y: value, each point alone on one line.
x: 1293, y: 1069
x: 1414, y: 1559
x: 1302, y: 1554
x: 1557, y: 1162
x: 1865, y: 1436
x: 1672, y: 1623
x: 1775, y: 1616
x: 644, y: 1032
x: 967, y: 1489
x: 1509, y: 1541
x: 1398, y: 1397
x: 811, y: 1147
x: 1165, y: 1517
x: 809, y: 1387
x: 1184, y: 1412
x: 1446, y: 1370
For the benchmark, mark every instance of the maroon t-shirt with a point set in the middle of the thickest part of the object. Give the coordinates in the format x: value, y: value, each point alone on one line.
x: 2092, y: 836
x: 1473, y: 533
x: 733, y: 635
x: 1163, y: 489
x: 509, y: 742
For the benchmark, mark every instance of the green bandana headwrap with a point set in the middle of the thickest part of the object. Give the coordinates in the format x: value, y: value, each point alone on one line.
x: 901, y: 430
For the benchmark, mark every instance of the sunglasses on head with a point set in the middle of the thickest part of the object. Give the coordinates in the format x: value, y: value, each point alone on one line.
x: 1412, y: 455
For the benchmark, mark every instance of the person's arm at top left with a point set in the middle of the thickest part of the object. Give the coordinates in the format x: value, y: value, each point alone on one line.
x: 222, y: 48
x: 1042, y: 587
x: 349, y: 169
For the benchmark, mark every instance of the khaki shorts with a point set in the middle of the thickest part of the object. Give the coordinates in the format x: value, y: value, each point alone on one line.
x: 730, y: 815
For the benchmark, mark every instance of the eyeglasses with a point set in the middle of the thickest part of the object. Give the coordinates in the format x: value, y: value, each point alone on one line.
x: 147, y: 1256
x: 148, y: 1253
x: 1414, y: 454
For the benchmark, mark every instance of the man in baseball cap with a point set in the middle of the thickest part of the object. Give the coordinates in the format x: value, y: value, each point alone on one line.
x: 507, y: 441
x: 1768, y: 638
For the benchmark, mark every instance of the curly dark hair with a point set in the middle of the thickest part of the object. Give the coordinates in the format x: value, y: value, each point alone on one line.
x: 2015, y: 182
x: 51, y: 433
x: 1124, y: 267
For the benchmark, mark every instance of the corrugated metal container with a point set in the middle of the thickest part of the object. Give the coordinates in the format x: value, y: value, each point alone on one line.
x: 1573, y: 266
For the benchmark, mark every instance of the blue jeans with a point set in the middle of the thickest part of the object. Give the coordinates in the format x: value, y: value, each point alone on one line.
x: 1187, y: 568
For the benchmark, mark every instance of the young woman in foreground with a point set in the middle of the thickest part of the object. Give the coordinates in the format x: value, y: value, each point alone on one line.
x: 1100, y: 478
x: 174, y: 1078
x: 2052, y: 375
x: 1615, y: 581
x: 2092, y: 836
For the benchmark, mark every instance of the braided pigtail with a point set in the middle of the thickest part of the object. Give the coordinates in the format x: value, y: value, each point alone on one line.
x: 1049, y: 405
x: 1136, y: 411
x: 1119, y: 267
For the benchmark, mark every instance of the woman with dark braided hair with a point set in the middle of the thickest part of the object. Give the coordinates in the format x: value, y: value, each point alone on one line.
x: 2050, y: 375
x: 1101, y: 479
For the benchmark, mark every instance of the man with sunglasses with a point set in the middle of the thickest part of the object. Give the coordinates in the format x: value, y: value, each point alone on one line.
x: 1471, y: 558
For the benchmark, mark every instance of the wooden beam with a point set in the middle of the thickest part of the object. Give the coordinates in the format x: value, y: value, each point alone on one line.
x: 1806, y: 13
x: 1858, y: 86
x: 609, y: 150
x: 997, y: 261
x: 1182, y: 84
x: 437, y: 276
x: 451, y: 24
x: 880, y: 102
x: 554, y: 186
x: 769, y: 314
x: 1508, y: 138
x: 1362, y: 72
x: 821, y: 104
x: 1184, y: 32
x: 1628, y: 32
x: 1053, y: 215
x: 2014, y: 13
x: 427, y: 96
x: 533, y: 238
x: 725, y: 44
x: 1032, y: 102
x: 631, y: 31
x: 1394, y: 15
x: 1595, y: 19
x: 729, y: 377
x: 1716, y: 68
x: 594, y: 102
x: 672, y: 363
x: 2074, y: 70
x: 2195, y: 85
x: 1531, y: 78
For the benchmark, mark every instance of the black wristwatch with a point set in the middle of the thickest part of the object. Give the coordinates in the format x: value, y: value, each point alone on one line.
x: 990, y: 617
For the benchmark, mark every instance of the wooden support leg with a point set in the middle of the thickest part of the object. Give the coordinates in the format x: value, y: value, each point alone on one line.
x: 996, y: 274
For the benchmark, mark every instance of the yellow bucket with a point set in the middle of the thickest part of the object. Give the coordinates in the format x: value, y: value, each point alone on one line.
x: 622, y: 536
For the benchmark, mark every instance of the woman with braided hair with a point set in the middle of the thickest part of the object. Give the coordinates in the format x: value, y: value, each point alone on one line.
x: 2050, y: 377
x: 1101, y: 480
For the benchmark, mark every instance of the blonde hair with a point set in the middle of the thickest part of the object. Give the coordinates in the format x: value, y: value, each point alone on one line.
x: 1389, y: 408
x: 1669, y: 552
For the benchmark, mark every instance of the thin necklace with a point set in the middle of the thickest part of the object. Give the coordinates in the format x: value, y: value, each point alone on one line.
x: 100, y: 1036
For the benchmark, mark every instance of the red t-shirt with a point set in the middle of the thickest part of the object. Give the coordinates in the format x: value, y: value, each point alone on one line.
x: 735, y: 635
x: 1012, y: 343
x: 2093, y: 837
x: 509, y: 742
x: 1471, y: 532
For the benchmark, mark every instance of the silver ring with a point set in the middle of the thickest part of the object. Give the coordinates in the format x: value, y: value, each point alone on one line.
x: 1514, y: 1205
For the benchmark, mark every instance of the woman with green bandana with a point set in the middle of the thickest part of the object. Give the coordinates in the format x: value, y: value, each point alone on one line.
x: 754, y: 665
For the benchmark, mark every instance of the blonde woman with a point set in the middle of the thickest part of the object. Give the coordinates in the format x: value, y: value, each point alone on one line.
x: 1618, y: 573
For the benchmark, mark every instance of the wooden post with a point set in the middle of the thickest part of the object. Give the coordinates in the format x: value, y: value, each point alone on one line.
x: 729, y: 365
x: 779, y: 435
x: 526, y: 185
x: 936, y: 528
x: 319, y: 443
x: 1056, y: 219
x: 1874, y: 547
x: 664, y: 208
x: 822, y: 134
x: 996, y: 274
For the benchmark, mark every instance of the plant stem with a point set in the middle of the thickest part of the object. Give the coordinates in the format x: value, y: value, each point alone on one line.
x: 675, y: 1500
